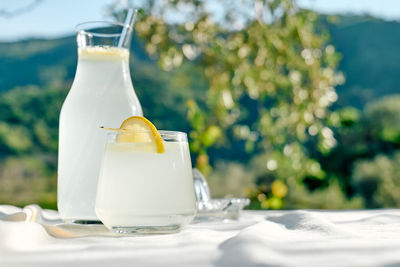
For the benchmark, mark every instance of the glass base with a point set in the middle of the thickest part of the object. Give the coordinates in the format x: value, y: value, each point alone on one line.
x: 84, y: 221
x: 145, y: 230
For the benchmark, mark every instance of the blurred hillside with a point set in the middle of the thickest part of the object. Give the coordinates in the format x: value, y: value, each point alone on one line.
x: 36, y: 74
x: 370, y: 58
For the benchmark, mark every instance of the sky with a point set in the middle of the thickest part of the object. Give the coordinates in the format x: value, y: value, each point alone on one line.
x: 386, y: 9
x: 49, y: 18
x: 53, y: 18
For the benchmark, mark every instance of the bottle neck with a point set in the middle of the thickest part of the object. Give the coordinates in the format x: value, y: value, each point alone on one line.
x: 103, y: 70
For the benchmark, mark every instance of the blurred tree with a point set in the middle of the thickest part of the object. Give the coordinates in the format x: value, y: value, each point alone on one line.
x: 362, y: 135
x: 270, y: 72
x: 383, y: 120
x: 378, y: 181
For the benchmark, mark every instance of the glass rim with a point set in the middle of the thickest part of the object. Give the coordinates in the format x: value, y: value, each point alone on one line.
x: 161, y: 132
x: 79, y: 28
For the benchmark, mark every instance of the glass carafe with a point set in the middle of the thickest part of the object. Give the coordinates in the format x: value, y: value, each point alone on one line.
x: 101, y: 94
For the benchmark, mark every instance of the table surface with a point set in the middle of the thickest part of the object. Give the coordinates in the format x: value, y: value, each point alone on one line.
x: 35, y: 237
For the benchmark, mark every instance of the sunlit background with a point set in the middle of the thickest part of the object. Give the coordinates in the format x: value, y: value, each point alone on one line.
x: 294, y: 104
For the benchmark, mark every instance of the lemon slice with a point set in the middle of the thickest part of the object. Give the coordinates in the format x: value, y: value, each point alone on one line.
x: 140, y: 129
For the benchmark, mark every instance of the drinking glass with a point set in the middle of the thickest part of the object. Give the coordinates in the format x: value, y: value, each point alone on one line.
x: 142, y: 191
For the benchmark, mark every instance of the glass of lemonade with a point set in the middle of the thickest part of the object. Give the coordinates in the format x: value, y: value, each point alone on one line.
x: 141, y: 191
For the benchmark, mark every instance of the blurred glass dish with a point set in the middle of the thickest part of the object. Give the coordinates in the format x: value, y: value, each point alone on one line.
x: 209, y: 209
x: 201, y: 187
x: 220, y: 209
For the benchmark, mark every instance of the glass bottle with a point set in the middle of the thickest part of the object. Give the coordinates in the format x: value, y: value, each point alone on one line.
x: 101, y: 95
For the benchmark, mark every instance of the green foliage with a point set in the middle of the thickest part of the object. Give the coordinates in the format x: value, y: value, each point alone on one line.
x: 29, y: 120
x: 348, y: 116
x: 361, y: 136
x: 382, y: 117
x: 328, y: 197
x: 267, y: 197
x: 377, y: 180
x: 14, y: 139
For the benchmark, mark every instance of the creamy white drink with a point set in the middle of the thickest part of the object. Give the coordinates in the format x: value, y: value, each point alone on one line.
x: 141, y: 190
x: 101, y: 94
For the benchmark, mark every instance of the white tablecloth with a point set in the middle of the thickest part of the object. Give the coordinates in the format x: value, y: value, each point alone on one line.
x: 32, y: 237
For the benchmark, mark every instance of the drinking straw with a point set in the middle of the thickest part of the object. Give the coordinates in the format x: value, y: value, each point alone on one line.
x: 129, y: 21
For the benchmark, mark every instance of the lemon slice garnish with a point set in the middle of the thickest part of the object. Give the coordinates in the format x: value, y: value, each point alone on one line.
x: 140, y: 129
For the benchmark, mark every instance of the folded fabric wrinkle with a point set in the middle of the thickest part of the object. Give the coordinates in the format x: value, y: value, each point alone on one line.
x: 54, y: 226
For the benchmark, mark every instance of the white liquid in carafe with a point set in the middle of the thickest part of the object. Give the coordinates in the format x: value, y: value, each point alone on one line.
x: 101, y: 95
